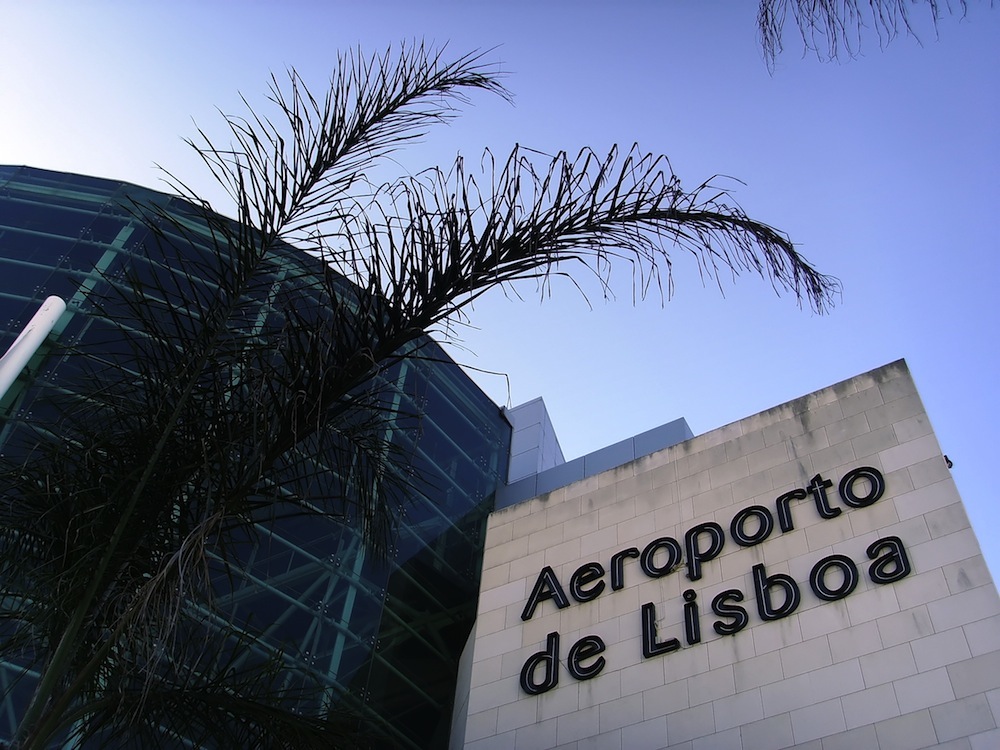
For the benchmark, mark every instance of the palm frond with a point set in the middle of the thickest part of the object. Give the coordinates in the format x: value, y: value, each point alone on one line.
x: 833, y: 29
x: 440, y: 241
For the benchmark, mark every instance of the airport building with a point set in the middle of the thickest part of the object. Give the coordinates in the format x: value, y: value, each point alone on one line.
x: 805, y: 577
x: 383, y: 638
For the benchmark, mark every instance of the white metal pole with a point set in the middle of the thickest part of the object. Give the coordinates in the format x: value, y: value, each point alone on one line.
x: 26, y: 344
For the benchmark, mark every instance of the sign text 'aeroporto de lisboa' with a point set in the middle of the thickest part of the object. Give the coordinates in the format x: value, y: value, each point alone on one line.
x: 805, y: 577
x: 777, y: 595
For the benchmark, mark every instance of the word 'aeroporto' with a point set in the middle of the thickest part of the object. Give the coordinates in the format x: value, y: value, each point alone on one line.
x: 587, y: 582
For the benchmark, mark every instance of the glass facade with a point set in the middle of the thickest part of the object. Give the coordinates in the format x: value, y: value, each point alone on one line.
x: 382, y: 637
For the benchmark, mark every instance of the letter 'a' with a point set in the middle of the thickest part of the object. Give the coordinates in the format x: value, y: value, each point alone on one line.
x: 547, y: 586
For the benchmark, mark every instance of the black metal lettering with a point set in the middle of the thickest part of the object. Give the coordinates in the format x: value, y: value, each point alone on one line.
x: 650, y: 645
x: 722, y: 607
x: 692, y: 627
x: 648, y: 565
x: 783, y: 504
x: 818, y: 488
x: 549, y: 659
x: 892, y: 566
x: 586, y: 648
x: 762, y: 588
x: 817, y: 577
x: 618, y: 567
x: 765, y: 524
x: 587, y: 573
x: 876, y: 486
x: 546, y: 587
x: 696, y: 556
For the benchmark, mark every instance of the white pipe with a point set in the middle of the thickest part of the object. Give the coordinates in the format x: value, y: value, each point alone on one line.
x: 28, y: 342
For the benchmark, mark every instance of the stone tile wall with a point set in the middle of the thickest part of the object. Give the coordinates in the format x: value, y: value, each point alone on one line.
x: 907, y: 664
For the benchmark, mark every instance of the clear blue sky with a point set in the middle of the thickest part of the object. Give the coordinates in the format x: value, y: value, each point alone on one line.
x: 884, y: 170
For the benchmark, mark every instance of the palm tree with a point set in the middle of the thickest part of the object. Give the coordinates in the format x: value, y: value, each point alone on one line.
x: 835, y: 28
x: 218, y: 395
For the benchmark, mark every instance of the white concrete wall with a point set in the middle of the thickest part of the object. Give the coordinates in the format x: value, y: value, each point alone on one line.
x: 460, y: 711
x: 909, y: 664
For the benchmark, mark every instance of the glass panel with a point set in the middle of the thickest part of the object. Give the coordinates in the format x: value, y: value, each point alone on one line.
x: 383, y: 637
